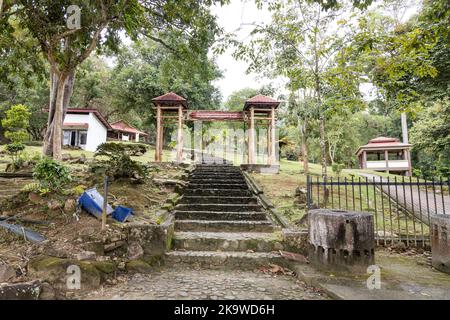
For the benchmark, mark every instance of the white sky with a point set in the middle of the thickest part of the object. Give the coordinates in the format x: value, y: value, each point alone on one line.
x: 238, y: 12
x: 231, y: 17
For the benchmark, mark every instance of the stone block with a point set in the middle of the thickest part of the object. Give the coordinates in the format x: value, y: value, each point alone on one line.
x: 341, y: 240
x: 440, y: 242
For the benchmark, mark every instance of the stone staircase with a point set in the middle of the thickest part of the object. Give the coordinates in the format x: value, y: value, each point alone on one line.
x: 220, y: 224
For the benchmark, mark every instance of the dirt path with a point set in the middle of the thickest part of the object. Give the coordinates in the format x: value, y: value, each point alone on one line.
x: 183, y: 284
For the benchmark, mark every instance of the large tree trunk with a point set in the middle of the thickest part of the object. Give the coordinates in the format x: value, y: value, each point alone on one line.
x: 66, y: 93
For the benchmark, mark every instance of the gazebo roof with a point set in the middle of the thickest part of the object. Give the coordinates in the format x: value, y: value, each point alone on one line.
x: 170, y: 98
x: 383, y: 143
x: 261, y: 101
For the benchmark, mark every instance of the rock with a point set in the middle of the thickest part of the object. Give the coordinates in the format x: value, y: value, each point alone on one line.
x: 138, y: 266
x: 20, y: 291
x: 35, y: 198
x: 65, y: 157
x: 70, y: 206
x: 86, y: 255
x: 6, y: 273
x: 55, y: 271
x: 54, y: 204
x: 134, y: 251
x: 47, y: 292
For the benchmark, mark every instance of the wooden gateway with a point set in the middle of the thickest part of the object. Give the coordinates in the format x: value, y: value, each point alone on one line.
x: 386, y: 154
x: 171, y: 108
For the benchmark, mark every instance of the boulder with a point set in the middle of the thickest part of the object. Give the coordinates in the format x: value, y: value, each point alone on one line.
x: 7, y: 273
x: 86, y: 255
x: 20, y: 291
x: 138, y: 266
x: 134, y: 251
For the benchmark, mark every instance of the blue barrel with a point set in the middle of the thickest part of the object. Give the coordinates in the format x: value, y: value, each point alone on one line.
x: 121, y: 214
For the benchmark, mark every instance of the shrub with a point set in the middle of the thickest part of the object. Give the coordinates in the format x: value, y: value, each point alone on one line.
x: 119, y: 163
x: 132, y: 149
x: 51, y: 174
x: 337, y: 168
x: 14, y: 149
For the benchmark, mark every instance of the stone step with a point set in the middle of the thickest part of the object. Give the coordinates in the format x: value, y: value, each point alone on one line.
x: 216, y: 172
x: 217, y: 186
x: 216, y: 177
x: 218, y: 192
x: 227, y: 241
x: 224, y: 226
x: 221, y: 207
x: 218, y: 200
x: 217, y: 167
x: 217, y: 181
x: 223, y: 260
x: 211, y: 215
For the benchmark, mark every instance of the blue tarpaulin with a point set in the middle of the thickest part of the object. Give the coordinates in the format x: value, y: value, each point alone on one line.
x: 92, y: 201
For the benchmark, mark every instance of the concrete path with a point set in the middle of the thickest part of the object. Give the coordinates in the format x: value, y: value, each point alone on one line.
x: 183, y: 284
x: 409, y: 198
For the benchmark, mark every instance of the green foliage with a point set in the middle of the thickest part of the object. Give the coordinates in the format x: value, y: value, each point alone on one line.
x: 51, y: 174
x: 16, y: 122
x: 118, y: 163
x: 430, y: 137
x: 14, y: 149
x: 337, y: 168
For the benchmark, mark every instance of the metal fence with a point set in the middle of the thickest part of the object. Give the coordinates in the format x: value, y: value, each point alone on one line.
x: 402, y: 207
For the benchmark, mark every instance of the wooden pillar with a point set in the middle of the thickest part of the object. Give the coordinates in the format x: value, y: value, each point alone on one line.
x: 364, y: 160
x: 180, y: 138
x: 251, y: 137
x: 273, y: 143
x: 407, y: 157
x: 386, y: 158
x: 158, y: 144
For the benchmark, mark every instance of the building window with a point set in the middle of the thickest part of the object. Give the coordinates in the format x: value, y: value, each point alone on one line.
x: 82, y: 137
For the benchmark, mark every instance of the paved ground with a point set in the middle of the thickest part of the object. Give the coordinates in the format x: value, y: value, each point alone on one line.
x: 170, y: 284
x: 436, y: 204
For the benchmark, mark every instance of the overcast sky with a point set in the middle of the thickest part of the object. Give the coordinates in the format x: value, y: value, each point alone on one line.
x: 231, y: 18
x: 238, y: 12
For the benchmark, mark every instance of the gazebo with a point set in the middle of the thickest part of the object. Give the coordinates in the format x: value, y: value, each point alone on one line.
x: 385, y: 154
x: 172, y: 108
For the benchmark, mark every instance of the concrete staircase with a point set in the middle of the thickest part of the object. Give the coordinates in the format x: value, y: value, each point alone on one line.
x: 220, y: 224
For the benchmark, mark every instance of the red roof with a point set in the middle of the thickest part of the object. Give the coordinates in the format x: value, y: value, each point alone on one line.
x: 216, y: 115
x: 125, y: 127
x: 94, y: 111
x: 170, y: 98
x: 261, y: 101
x: 381, y: 143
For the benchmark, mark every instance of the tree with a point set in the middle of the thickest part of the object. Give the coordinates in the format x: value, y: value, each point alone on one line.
x: 431, y: 139
x: 16, y: 122
x: 307, y: 45
x: 236, y: 100
x: 65, y: 48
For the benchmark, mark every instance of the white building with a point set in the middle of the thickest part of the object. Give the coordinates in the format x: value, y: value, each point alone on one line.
x: 85, y: 128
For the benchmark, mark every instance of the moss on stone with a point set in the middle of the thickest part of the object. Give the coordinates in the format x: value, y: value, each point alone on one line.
x: 138, y: 266
x: 105, y: 266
